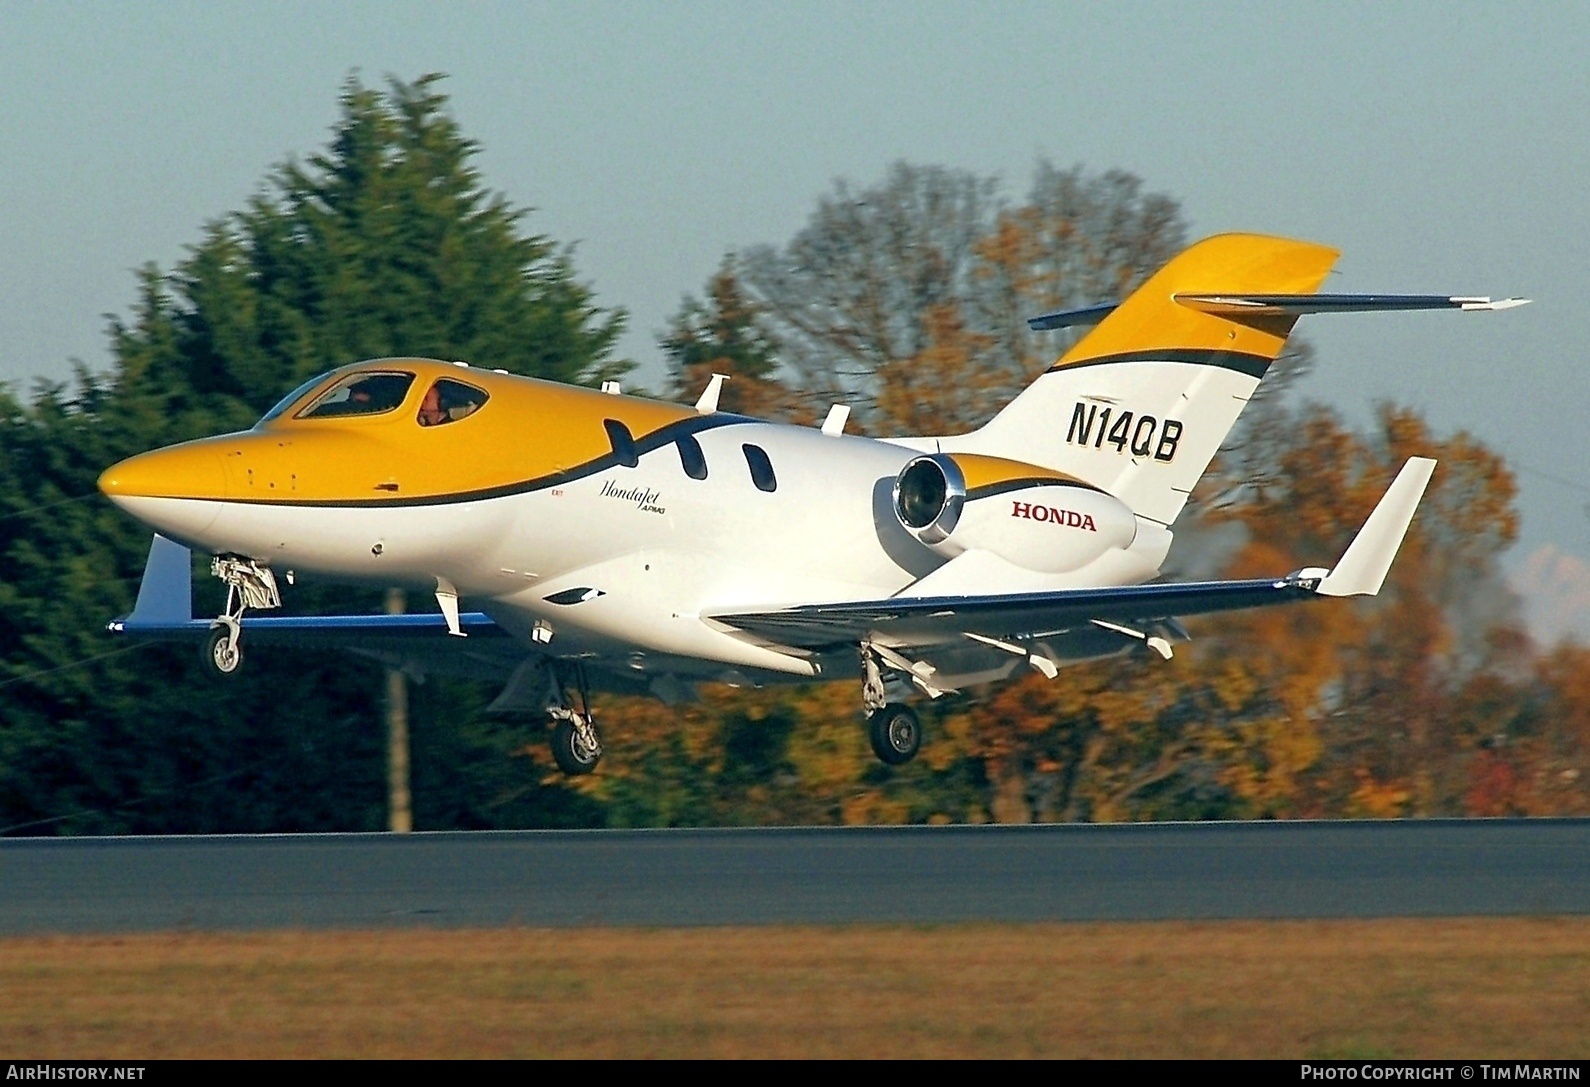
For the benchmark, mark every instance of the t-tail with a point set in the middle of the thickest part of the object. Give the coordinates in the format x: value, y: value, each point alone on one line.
x: 1142, y: 402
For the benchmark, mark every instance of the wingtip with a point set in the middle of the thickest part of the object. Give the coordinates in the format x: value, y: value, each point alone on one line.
x: 1497, y: 304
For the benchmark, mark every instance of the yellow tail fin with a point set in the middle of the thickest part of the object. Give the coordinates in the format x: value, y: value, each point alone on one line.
x: 1140, y: 405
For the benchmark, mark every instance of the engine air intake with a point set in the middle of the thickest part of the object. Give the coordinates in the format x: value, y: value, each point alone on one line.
x: 928, y: 496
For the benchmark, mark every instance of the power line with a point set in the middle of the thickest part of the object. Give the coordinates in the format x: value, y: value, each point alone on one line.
x: 1553, y: 478
x: 216, y: 780
x: 76, y: 663
x: 30, y: 511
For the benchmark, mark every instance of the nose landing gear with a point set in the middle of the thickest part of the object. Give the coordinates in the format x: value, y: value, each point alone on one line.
x: 248, y: 585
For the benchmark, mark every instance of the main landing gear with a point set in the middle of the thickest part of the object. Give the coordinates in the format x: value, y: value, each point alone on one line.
x: 575, y: 746
x: 895, y: 732
x: 248, y: 585
x: 893, y: 727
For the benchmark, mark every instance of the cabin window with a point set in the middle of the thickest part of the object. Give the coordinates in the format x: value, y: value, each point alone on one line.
x: 448, y: 401
x: 623, y: 443
x: 691, y: 457
x: 761, y: 468
x: 292, y: 398
x: 361, y: 394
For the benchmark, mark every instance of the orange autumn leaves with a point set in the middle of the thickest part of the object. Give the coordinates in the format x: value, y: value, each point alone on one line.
x: 1423, y: 701
x: 908, y: 301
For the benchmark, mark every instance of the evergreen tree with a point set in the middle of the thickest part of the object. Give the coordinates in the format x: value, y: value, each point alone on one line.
x: 385, y: 243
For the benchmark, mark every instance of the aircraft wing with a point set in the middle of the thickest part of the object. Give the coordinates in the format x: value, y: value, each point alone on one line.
x: 315, y: 629
x: 164, y: 611
x: 1131, y: 611
x: 931, y: 619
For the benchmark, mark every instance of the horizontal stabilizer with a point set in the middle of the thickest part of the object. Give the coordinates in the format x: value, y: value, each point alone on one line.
x: 1363, y: 568
x: 1276, y: 305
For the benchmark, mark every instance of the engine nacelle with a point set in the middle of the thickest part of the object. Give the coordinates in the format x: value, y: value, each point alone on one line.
x: 1038, y: 519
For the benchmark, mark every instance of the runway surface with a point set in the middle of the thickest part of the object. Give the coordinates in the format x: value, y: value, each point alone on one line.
x: 765, y: 876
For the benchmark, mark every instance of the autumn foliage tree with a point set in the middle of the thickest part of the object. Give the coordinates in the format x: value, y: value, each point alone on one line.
x: 908, y: 299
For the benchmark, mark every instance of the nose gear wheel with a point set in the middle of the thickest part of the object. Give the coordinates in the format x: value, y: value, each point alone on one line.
x: 222, y: 652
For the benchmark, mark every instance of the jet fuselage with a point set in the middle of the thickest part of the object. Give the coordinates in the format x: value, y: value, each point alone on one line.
x: 661, y: 512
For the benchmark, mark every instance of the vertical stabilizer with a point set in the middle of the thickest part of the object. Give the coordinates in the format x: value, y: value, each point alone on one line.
x: 1140, y: 405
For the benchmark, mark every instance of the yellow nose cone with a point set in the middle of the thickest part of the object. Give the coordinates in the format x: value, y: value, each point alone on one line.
x: 191, y: 470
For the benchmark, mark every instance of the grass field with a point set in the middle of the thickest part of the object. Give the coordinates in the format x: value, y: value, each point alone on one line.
x: 1505, y: 988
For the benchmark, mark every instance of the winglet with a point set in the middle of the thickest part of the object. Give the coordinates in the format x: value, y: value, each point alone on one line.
x: 1363, y: 568
x: 166, y: 593
x: 1487, y: 304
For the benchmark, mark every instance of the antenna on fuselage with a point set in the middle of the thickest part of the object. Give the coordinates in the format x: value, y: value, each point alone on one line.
x: 708, y: 403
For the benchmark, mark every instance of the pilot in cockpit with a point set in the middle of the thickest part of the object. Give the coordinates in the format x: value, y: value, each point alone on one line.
x: 447, y: 401
x: 431, y: 413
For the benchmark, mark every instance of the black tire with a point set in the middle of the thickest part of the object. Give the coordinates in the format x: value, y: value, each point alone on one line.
x: 895, y: 732
x: 222, y: 652
x: 571, y: 756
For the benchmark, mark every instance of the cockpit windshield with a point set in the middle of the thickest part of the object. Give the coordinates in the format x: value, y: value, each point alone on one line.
x: 447, y: 401
x: 291, y: 398
x: 361, y: 394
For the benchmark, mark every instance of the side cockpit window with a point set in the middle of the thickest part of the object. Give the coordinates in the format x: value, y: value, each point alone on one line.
x: 361, y: 394
x: 448, y: 401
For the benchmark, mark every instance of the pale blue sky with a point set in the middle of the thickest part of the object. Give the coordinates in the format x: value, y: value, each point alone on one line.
x: 1443, y: 147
